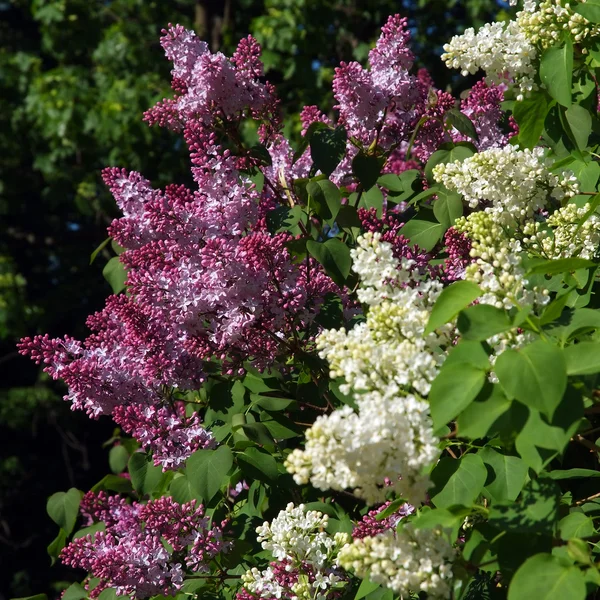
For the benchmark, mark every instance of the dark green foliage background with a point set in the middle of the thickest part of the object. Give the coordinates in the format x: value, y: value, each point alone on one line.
x: 75, y: 78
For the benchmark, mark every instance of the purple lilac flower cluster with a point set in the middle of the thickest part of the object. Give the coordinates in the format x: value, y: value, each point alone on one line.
x: 205, y: 280
x: 166, y: 431
x: 144, y: 548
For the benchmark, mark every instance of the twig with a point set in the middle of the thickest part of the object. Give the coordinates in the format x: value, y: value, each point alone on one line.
x: 450, y: 452
x: 586, y: 443
x: 584, y: 500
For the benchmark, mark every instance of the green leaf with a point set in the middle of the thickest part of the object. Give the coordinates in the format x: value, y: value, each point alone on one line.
x: 471, y: 353
x: 428, y: 193
x: 259, y: 464
x: 580, y: 124
x: 461, y: 122
x: 258, y: 433
x: 55, y: 547
x: 182, y: 490
x: 284, y: 218
x: 579, y: 551
x: 536, y: 511
x: 334, y: 255
x: 576, y: 525
x: 575, y: 322
x: 326, y: 198
x: 446, y: 154
x: 366, y: 587
x: 207, y: 470
x: 422, y: 233
x: 327, y: 148
x: 558, y: 474
x: 36, y: 597
x: 583, y: 358
x: 530, y: 114
x: 271, y: 403
x: 588, y: 177
x: 458, y: 481
x: 433, y: 518
x: 192, y: 586
x: 280, y: 426
x: 331, y: 312
x: 447, y: 207
x: 561, y: 265
x: 482, y: 321
x: 545, y: 577
x: 74, y: 592
x: 556, y: 72
x: 539, y: 440
x: 118, y: 458
x: 99, y: 249
x: 145, y: 477
x: 554, y: 310
x: 90, y: 530
x: 480, y: 417
x: 113, y: 483
x: 258, y: 179
x: 63, y: 508
x: 114, y: 272
x: 347, y: 217
x: 535, y: 375
x: 455, y: 387
x: 590, y: 10
x: 305, y: 140
x: 450, y: 302
x: 372, y: 198
x: 108, y: 594
x: 366, y: 168
x: 399, y: 184
x: 261, y: 153
x: 506, y: 475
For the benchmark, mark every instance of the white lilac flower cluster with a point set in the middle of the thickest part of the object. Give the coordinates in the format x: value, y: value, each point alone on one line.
x: 306, y: 565
x: 507, y: 50
x: 500, y: 49
x: 498, y: 268
x: 390, y: 346
x: 544, y: 24
x: 511, y: 184
x: 300, y: 535
x: 388, y: 443
x: 563, y: 235
x: 407, y: 560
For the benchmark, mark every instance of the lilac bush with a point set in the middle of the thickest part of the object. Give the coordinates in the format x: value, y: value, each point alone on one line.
x: 362, y: 363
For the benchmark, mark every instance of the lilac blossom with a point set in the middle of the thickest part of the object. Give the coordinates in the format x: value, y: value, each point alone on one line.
x: 384, y: 101
x: 370, y: 525
x: 482, y: 106
x: 212, y: 87
x: 130, y: 556
x: 167, y: 432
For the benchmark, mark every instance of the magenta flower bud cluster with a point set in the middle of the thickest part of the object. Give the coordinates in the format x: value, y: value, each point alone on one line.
x: 145, y: 548
x: 370, y: 525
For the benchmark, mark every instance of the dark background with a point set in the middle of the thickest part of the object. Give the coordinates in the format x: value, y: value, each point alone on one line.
x: 75, y: 78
